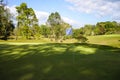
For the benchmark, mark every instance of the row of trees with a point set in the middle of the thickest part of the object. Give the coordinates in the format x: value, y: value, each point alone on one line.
x: 28, y: 27
x: 101, y: 28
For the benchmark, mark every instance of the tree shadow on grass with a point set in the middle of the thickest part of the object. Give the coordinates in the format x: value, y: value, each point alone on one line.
x: 56, y: 61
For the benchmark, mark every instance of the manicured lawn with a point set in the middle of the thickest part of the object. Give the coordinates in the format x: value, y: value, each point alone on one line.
x: 59, y: 61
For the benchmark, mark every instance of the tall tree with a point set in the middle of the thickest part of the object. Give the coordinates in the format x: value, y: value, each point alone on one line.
x: 27, y: 21
x: 6, y: 25
x: 56, y: 25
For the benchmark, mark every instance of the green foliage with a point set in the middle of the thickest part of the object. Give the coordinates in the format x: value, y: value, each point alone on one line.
x: 57, y: 26
x: 27, y: 22
x: 107, y: 27
x: 45, y: 30
x: 88, y: 30
x: 6, y: 24
x: 35, y: 32
x: 81, y: 38
x: 101, y: 28
x: 78, y: 34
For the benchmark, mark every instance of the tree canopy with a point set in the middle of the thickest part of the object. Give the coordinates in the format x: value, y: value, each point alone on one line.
x: 6, y: 24
x: 27, y: 21
x: 57, y: 26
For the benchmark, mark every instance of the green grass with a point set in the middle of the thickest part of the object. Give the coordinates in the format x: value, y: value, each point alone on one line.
x: 54, y: 61
x: 43, y: 40
x: 110, y: 40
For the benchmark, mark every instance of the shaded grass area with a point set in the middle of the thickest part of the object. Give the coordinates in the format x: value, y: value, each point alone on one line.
x: 56, y: 61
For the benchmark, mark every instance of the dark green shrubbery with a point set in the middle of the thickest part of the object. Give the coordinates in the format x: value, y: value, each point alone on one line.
x: 81, y: 38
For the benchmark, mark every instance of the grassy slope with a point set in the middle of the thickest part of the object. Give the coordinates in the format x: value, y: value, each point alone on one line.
x: 111, y: 40
x: 56, y: 62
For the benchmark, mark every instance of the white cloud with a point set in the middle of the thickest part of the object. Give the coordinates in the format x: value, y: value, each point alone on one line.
x: 70, y: 21
x: 12, y: 10
x: 96, y: 7
x: 42, y: 16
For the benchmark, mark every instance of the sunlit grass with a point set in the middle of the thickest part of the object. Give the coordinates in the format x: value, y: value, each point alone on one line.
x: 110, y: 40
x: 85, y: 50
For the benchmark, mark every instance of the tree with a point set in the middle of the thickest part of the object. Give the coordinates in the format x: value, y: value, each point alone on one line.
x: 27, y: 22
x: 88, y: 30
x: 6, y: 25
x: 106, y: 28
x: 45, y: 30
x: 56, y: 24
x: 100, y: 28
x: 78, y: 34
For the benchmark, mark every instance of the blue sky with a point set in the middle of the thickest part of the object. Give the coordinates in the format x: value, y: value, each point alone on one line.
x: 75, y: 12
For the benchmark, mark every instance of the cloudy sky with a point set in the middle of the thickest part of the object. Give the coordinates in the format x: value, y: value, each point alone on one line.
x: 75, y: 12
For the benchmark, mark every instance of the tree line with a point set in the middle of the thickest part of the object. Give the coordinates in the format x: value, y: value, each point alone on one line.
x: 101, y: 28
x: 55, y: 28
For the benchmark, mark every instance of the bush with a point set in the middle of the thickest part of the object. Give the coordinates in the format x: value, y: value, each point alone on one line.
x: 81, y: 38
